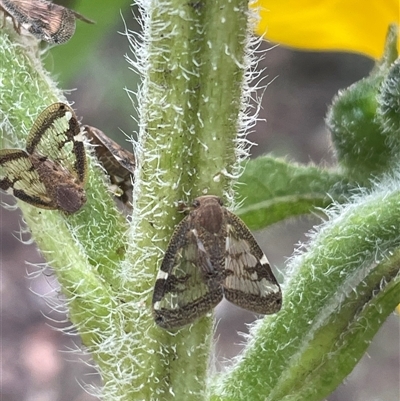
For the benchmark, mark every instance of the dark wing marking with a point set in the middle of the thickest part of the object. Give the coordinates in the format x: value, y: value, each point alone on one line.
x: 249, y: 281
x: 184, y: 290
x: 18, y: 174
x: 56, y: 134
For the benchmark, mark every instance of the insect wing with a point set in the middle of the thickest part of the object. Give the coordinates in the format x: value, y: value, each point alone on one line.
x: 43, y: 19
x: 18, y: 174
x: 56, y: 135
x: 249, y: 281
x: 18, y: 9
x: 184, y: 290
x: 117, y: 161
x: 82, y: 17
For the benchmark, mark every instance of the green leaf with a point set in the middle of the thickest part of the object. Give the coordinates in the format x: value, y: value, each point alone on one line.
x: 273, y: 189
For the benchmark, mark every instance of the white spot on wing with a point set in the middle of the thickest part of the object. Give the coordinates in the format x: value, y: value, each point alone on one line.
x: 162, y: 275
x: 79, y: 137
x: 200, y: 244
x: 261, y: 288
x: 266, y: 287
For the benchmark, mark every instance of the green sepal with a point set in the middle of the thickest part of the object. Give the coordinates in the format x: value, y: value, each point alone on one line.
x: 359, y: 140
x: 389, y: 108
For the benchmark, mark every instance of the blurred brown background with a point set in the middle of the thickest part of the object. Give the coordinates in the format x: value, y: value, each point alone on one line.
x: 36, y: 359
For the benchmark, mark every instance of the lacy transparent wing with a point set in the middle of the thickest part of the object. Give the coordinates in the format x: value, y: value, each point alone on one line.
x: 249, y: 281
x: 18, y: 175
x: 56, y: 134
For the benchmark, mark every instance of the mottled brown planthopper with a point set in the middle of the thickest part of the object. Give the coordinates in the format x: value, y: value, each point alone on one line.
x: 51, y: 172
x: 118, y: 162
x: 212, y: 254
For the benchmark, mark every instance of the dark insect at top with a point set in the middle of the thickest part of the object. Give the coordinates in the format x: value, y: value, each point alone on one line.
x: 44, y: 20
x: 51, y: 173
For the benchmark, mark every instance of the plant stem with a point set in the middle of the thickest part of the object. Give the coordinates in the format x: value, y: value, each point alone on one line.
x: 194, y: 63
x: 340, y: 292
x: 84, y: 249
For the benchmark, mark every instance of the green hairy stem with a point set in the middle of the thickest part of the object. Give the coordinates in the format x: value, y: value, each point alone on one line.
x: 338, y: 295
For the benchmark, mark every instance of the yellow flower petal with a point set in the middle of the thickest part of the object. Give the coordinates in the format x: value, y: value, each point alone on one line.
x: 352, y: 25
